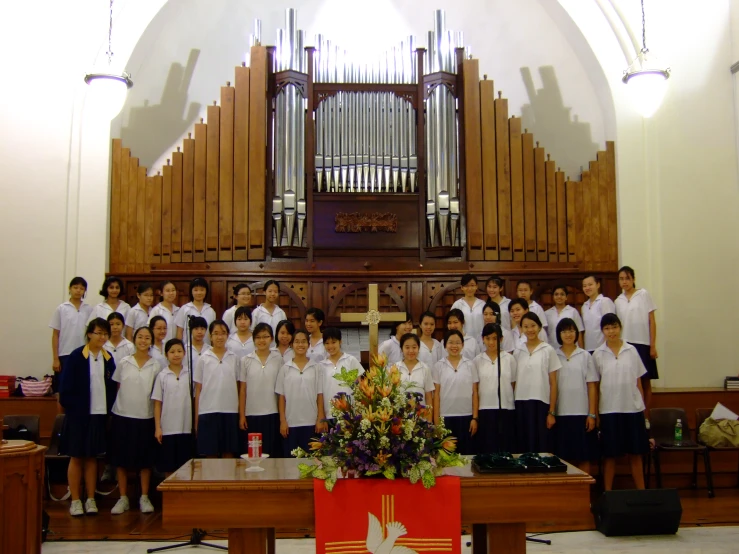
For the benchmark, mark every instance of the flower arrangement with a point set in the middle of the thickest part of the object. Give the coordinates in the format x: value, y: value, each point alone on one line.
x: 380, y: 430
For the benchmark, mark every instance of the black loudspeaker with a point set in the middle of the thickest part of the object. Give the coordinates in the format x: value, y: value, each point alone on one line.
x: 638, y: 512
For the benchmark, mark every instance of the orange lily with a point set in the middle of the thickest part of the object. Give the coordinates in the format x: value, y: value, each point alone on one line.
x: 382, y: 458
x: 449, y: 444
x: 315, y: 445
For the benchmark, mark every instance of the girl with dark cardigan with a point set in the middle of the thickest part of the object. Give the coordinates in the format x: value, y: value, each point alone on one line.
x: 87, y: 393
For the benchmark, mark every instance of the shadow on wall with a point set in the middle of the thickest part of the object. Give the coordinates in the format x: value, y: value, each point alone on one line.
x: 152, y: 129
x: 563, y: 135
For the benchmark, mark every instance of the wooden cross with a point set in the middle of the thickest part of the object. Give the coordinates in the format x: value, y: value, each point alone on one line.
x: 372, y: 317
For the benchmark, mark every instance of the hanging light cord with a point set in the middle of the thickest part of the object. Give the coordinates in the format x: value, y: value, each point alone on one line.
x: 110, y: 33
x: 643, y: 27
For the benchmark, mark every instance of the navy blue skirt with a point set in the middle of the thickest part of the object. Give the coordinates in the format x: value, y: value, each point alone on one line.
x: 133, y: 445
x: 218, y: 434
x: 174, y: 451
x: 649, y: 362
x: 572, y: 441
x: 269, y: 426
x: 622, y: 434
x: 298, y: 437
x: 460, y: 428
x: 83, y: 436
x: 531, y: 426
x: 496, y: 431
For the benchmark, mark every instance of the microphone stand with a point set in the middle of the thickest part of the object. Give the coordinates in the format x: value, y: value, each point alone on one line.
x: 197, y: 536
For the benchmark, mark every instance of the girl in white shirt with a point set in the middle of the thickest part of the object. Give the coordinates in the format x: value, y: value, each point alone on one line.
x: 217, y: 375
x: 258, y: 409
x: 391, y: 347
x: 68, y: 327
x: 132, y: 427
x: 593, y: 310
x: 455, y: 322
x: 313, y: 320
x: 518, y: 308
x: 635, y: 308
x: 577, y: 402
x: 138, y: 316
x: 158, y: 328
x: 536, y: 388
x: 269, y: 312
x: 558, y: 312
x: 494, y: 287
x: 242, y: 298
x: 332, y: 364
x: 456, y: 394
x: 111, y: 292
x: 284, y: 333
x: 414, y: 371
x: 167, y: 308
x: 621, y: 407
x: 241, y: 343
x: 497, y: 412
x: 196, y: 307
x: 198, y: 346
x: 491, y: 314
x: 525, y: 290
x: 172, y: 410
x: 301, y: 397
x: 431, y: 350
x: 470, y: 305
x: 118, y: 345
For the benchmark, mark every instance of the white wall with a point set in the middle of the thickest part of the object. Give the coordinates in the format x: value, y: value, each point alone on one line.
x: 54, y: 156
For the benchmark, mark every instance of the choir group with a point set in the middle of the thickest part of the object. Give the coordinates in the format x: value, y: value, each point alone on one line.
x: 508, y: 376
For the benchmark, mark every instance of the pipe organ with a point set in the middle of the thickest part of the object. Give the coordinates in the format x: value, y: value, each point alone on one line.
x: 317, y: 154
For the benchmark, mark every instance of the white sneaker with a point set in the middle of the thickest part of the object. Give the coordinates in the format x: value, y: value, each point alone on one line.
x: 75, y: 508
x: 91, y: 508
x: 145, y: 505
x: 120, y: 506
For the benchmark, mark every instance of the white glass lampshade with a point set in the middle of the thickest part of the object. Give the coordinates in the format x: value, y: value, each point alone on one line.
x: 107, y: 93
x: 647, y: 84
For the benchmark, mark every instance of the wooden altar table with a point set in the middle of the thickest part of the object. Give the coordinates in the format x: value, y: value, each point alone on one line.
x: 220, y: 493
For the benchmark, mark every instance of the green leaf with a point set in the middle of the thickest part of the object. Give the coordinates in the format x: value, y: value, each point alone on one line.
x: 306, y: 470
x: 320, y: 473
x: 428, y: 479
x: 414, y: 475
x: 389, y: 473
x: 329, y: 483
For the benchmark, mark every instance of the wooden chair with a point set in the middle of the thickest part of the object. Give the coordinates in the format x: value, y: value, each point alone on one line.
x: 662, y: 422
x: 701, y: 414
x: 30, y: 422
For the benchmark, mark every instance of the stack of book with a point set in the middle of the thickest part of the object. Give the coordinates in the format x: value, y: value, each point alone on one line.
x: 731, y: 383
x: 7, y: 385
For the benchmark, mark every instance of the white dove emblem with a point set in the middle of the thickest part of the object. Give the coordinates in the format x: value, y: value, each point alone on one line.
x: 377, y: 545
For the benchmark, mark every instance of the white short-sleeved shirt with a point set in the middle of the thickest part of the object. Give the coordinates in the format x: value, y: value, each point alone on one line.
x: 519, y: 338
x: 572, y: 382
x: 505, y: 316
x: 301, y: 390
x: 330, y: 386
x: 533, y: 371
x: 535, y: 307
x: 420, y: 378
x: 634, y: 316
x: 98, y: 399
x: 472, y: 316
x: 316, y: 352
x: 262, y: 315
x: 195, y: 355
x: 470, y: 350
x: 240, y: 349
x: 137, y: 318
x: 161, y: 310
x: 219, y: 379
x: 71, y: 324
x: 189, y: 309
x: 174, y: 393
x: 288, y: 355
x: 103, y: 310
x: 508, y: 344
x: 432, y: 355
x: 487, y: 373
x: 592, y: 313
x: 455, y: 386
x: 134, y: 394
x: 124, y: 348
x: 391, y: 348
x: 158, y: 354
x: 618, y: 390
x: 229, y: 316
x: 261, y: 380
x: 553, y: 318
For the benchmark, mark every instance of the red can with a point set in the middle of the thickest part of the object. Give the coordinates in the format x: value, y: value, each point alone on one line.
x: 255, y: 445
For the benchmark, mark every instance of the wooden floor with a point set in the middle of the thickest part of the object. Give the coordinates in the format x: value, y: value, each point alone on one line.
x: 698, y: 510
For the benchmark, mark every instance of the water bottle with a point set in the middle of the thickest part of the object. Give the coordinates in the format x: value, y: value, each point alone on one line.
x: 678, y: 433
